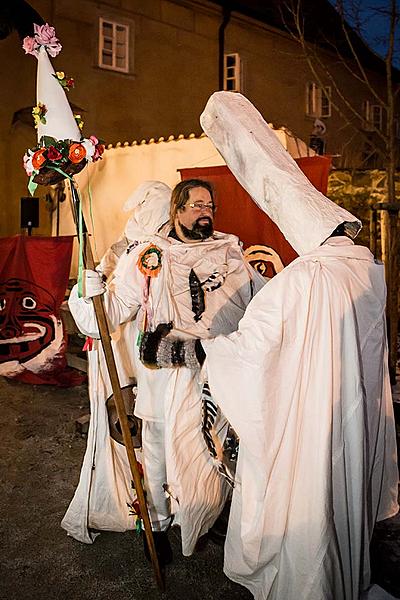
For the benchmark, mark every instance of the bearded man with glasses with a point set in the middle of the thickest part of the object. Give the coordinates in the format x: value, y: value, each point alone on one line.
x: 196, y: 278
x: 192, y: 210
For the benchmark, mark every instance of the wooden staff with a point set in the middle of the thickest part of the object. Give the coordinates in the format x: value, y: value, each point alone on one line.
x: 98, y: 303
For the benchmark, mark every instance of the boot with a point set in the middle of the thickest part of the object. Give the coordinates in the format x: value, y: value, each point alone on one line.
x: 163, y: 548
x: 217, y: 533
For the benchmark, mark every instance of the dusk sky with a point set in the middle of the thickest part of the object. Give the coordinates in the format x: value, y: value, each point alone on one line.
x: 374, y: 23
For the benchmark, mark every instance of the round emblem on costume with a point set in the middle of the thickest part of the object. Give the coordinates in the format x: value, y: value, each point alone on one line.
x: 149, y: 261
x: 264, y: 259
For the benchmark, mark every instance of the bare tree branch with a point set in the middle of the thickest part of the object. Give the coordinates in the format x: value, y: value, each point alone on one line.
x: 314, y: 59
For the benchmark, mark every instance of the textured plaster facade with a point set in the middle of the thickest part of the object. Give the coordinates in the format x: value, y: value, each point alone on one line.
x: 173, y: 70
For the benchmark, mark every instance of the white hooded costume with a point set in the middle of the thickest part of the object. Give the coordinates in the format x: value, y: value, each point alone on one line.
x: 304, y: 382
x: 181, y: 478
x: 104, y: 489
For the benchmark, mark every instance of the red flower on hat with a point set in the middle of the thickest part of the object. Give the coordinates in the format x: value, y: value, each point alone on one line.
x: 53, y: 153
x: 38, y: 159
x: 76, y: 153
x: 99, y: 151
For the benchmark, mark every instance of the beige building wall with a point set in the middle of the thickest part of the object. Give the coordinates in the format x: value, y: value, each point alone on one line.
x: 173, y: 70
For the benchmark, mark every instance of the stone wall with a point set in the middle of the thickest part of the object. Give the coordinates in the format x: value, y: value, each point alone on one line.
x: 357, y: 191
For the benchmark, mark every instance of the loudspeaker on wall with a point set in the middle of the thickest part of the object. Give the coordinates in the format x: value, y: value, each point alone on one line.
x: 29, y: 212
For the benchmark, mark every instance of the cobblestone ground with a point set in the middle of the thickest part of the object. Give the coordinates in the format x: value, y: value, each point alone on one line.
x: 40, y: 458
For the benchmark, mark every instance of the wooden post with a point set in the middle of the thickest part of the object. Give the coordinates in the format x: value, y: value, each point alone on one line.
x: 98, y: 303
x: 384, y: 218
x: 390, y: 250
x: 373, y: 231
x: 393, y: 292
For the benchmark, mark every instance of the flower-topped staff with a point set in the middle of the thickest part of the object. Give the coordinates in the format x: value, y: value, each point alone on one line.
x: 61, y: 150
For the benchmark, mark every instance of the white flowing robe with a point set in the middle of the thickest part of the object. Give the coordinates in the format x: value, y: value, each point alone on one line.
x: 172, y: 397
x: 304, y: 382
x: 104, y: 488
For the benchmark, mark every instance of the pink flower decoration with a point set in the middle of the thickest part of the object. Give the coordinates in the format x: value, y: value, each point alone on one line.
x: 45, y: 35
x: 54, y: 49
x: 94, y: 140
x: 30, y: 46
x: 28, y: 163
x: 89, y: 147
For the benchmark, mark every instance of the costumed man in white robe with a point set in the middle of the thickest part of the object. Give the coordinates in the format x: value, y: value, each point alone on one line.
x: 199, y: 279
x: 104, y: 489
x: 304, y: 382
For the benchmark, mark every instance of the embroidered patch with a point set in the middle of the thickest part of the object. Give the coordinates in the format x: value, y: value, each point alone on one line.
x: 197, y: 294
x: 226, y: 464
x: 216, y: 279
x: 213, y: 282
x: 149, y: 261
x: 132, y: 246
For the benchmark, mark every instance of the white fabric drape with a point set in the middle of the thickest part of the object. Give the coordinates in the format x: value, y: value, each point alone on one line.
x: 304, y: 382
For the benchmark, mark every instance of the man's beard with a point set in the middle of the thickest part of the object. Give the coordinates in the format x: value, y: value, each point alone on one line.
x: 198, y: 231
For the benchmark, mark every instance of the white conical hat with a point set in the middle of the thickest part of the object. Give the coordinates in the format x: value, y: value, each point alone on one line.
x: 60, y: 121
x: 269, y: 174
x: 150, y: 203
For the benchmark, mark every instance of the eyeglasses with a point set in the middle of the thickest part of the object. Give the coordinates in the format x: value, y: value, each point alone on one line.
x: 200, y: 206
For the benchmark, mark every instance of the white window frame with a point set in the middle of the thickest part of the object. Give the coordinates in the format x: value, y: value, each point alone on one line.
x: 232, y: 72
x: 112, y: 42
x: 318, y: 101
x: 372, y: 116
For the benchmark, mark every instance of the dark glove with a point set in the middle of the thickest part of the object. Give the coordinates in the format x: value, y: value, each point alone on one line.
x: 150, y: 343
x: 156, y: 351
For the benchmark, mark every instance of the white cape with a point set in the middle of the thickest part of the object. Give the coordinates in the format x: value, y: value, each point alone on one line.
x: 104, y: 489
x: 304, y: 382
x: 170, y: 396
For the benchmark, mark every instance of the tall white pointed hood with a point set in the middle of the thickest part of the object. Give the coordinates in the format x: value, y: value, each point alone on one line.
x: 269, y: 174
x: 60, y: 121
x: 61, y: 150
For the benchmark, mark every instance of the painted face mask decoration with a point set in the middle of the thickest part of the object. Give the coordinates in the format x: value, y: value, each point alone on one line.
x: 28, y: 326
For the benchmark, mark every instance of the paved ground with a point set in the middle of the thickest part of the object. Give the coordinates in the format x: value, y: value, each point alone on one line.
x: 40, y: 462
x: 385, y: 548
